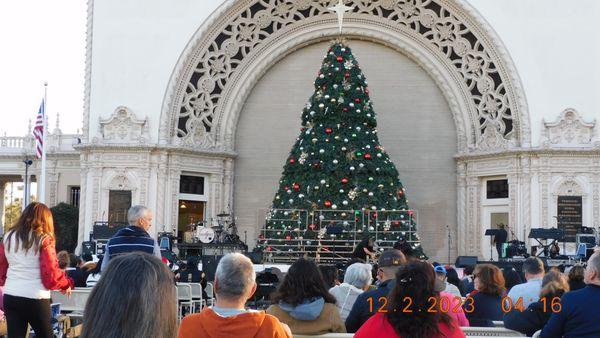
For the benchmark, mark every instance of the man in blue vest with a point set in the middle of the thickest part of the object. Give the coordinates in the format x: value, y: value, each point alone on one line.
x: 134, y: 237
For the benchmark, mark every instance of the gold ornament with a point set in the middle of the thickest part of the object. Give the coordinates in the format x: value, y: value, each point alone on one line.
x: 352, y: 194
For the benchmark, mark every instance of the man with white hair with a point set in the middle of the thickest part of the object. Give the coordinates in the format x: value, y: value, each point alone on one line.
x: 357, y: 280
x: 134, y: 237
x: 235, y: 283
x: 576, y: 315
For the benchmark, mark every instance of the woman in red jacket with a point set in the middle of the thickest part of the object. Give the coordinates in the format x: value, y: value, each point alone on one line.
x: 29, y: 270
x: 414, y: 308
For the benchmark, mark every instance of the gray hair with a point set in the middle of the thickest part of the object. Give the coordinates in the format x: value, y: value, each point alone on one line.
x: 358, y: 275
x: 533, y: 265
x: 136, y: 212
x: 235, y: 275
x: 594, y: 262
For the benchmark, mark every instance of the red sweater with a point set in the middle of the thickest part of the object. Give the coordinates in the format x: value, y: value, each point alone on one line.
x: 379, y: 326
x: 52, y: 277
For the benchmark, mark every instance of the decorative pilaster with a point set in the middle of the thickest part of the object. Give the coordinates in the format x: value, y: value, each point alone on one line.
x: 513, y: 200
x: 52, y: 183
x: 2, y: 188
x: 473, y: 234
x: 461, y: 205
x: 174, y: 177
x: 161, y: 180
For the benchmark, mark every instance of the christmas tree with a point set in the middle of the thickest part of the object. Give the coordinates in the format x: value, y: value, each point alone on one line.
x: 338, y: 183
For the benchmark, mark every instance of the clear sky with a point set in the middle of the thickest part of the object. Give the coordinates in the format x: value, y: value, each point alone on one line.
x: 41, y: 40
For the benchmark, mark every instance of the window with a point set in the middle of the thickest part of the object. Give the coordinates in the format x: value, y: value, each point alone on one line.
x: 191, y: 185
x: 497, y: 189
x: 74, y: 196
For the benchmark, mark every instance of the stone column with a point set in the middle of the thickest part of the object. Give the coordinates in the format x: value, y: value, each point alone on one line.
x: 2, y: 188
x: 161, y: 182
x: 28, y: 189
x: 474, y: 237
x: 461, y: 240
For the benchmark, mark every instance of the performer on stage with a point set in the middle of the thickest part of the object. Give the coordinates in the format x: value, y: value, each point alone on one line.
x: 364, y: 248
x: 500, y: 239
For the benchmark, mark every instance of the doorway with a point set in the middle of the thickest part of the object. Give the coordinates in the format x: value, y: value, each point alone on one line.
x: 190, y: 212
x: 492, y: 218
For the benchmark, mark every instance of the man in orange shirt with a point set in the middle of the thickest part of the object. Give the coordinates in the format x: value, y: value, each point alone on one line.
x: 234, y: 284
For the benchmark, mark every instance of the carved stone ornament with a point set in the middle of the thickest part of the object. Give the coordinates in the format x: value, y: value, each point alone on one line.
x: 123, y: 127
x: 569, y: 130
x: 448, y: 38
x: 569, y: 187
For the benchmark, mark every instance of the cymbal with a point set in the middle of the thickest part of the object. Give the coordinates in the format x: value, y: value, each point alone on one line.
x: 217, y: 227
x: 223, y: 215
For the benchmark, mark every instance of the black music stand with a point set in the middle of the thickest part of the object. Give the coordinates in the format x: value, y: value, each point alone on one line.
x: 492, y: 232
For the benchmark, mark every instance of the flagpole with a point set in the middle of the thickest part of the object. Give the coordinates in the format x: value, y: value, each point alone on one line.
x: 42, y: 181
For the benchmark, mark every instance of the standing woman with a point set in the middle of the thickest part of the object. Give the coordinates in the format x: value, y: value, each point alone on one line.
x: 29, y: 271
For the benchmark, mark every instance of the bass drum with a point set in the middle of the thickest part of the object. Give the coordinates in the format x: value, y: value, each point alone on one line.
x: 206, y: 235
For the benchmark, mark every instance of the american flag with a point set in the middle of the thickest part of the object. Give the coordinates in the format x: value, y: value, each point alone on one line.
x: 38, y: 130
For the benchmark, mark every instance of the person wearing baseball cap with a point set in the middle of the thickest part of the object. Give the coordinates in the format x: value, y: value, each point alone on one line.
x: 368, y: 303
x: 440, y: 273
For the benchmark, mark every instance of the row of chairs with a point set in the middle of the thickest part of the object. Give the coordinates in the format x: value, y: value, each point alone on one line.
x: 189, y: 295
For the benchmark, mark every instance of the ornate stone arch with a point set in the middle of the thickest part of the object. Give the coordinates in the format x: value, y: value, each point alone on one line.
x: 243, y: 38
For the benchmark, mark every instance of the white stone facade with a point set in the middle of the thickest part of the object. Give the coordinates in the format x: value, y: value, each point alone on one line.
x: 175, y: 90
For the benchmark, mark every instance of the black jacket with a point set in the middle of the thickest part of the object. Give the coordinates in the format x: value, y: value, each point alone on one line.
x: 364, y: 308
x: 529, y: 321
x: 487, y: 308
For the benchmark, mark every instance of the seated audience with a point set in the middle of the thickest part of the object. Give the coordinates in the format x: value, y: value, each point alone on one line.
x: 303, y: 302
x: 76, y: 271
x: 368, y: 302
x: 511, y: 278
x: 554, y: 285
x: 483, y: 305
x: 234, y: 285
x: 357, y: 279
x: 330, y: 275
x: 576, y: 275
x: 94, y: 274
x: 452, y: 278
x: 415, y: 282
x: 134, y: 298
x: 467, y: 281
x: 440, y: 273
x: 63, y: 260
x: 529, y: 292
x: 578, y: 316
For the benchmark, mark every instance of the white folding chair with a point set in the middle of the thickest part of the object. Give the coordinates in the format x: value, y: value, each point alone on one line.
x: 196, y: 296
x: 210, y: 298
x: 184, y: 298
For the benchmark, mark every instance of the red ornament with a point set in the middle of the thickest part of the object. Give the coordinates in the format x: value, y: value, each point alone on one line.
x: 396, y: 223
x: 269, y: 248
x: 347, y: 75
x: 292, y: 160
x: 316, y: 165
x: 357, y: 100
x: 261, y: 237
x: 288, y: 237
x: 368, y: 156
x: 344, y: 180
x: 328, y: 131
x: 296, y: 186
x: 410, y: 213
x: 345, y: 110
x: 366, y: 90
x: 312, y: 226
x: 375, y: 215
x: 328, y: 203
x: 340, y: 59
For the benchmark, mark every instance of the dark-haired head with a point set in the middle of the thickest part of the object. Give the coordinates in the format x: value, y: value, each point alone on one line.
x: 330, y: 275
x: 134, y: 298
x: 452, y: 277
x: 302, y: 282
x: 415, y: 281
x: 511, y: 277
x: 576, y: 273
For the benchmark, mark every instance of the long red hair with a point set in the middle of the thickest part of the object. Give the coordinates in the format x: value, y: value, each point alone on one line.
x: 34, y: 224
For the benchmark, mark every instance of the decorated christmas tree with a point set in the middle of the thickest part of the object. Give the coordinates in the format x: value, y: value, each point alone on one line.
x: 338, y: 183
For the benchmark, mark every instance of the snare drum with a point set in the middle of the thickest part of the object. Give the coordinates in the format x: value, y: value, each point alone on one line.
x: 206, y: 235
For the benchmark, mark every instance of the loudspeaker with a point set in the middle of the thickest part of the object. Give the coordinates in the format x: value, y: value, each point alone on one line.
x: 464, y: 261
x: 209, y: 266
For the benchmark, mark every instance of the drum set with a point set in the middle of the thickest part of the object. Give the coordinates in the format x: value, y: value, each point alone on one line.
x: 219, y: 230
